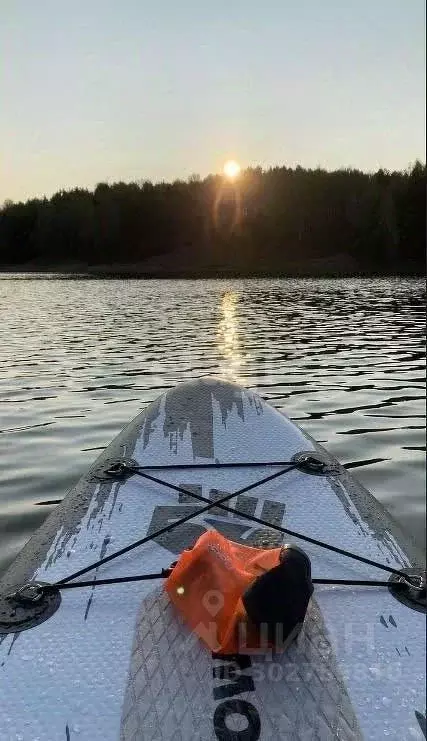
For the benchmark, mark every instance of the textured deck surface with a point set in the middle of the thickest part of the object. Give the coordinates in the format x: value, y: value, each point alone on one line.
x: 299, y: 694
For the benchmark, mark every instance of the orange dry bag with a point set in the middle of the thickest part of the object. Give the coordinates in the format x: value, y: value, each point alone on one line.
x: 239, y: 599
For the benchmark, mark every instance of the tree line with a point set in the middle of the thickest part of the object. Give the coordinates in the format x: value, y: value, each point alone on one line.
x: 267, y: 220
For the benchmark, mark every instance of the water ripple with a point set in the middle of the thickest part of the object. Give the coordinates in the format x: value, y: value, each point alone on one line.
x: 79, y: 358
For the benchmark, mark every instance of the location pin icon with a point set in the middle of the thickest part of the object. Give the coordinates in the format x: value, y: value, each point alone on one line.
x: 213, y: 601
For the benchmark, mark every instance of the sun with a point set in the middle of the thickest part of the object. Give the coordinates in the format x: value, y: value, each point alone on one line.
x: 231, y: 169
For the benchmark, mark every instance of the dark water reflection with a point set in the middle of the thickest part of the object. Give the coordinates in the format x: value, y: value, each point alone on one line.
x: 79, y: 358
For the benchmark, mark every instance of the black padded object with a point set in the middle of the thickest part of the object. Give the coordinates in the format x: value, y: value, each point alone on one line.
x: 279, y: 598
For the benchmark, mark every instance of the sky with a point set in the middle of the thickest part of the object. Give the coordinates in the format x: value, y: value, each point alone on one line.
x: 106, y: 90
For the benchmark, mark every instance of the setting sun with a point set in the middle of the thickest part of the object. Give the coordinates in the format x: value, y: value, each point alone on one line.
x: 231, y: 169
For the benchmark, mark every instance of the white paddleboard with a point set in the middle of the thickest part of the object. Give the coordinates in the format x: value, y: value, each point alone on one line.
x: 117, y: 663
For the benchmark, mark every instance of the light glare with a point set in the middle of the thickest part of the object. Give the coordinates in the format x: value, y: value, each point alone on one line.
x: 232, y: 169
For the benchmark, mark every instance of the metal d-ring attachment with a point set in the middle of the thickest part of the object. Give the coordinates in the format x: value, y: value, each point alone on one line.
x: 27, y: 605
x: 28, y: 594
x: 409, y: 587
x: 114, y: 469
x: 417, y: 581
x: 315, y: 462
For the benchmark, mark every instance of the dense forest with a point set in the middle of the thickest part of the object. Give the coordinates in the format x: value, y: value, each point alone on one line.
x: 278, y: 221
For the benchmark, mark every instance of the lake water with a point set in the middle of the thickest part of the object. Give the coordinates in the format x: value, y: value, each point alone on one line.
x: 79, y: 358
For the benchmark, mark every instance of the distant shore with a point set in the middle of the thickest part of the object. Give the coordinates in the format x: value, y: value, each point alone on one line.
x: 340, y: 266
x: 280, y: 222
x: 116, y: 272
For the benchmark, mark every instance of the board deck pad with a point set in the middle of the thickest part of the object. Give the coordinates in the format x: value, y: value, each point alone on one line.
x: 118, y: 663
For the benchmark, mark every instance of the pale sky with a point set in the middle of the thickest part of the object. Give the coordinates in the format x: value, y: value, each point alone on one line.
x: 107, y: 90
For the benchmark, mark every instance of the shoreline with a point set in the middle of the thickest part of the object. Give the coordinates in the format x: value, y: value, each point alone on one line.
x: 331, y: 268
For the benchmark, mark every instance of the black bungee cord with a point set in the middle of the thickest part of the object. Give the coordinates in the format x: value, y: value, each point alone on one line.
x: 122, y: 467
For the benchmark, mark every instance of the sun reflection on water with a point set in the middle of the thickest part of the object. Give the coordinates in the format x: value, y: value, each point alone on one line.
x: 229, y: 345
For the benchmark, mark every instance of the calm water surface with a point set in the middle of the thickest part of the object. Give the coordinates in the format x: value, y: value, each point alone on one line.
x: 79, y: 358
